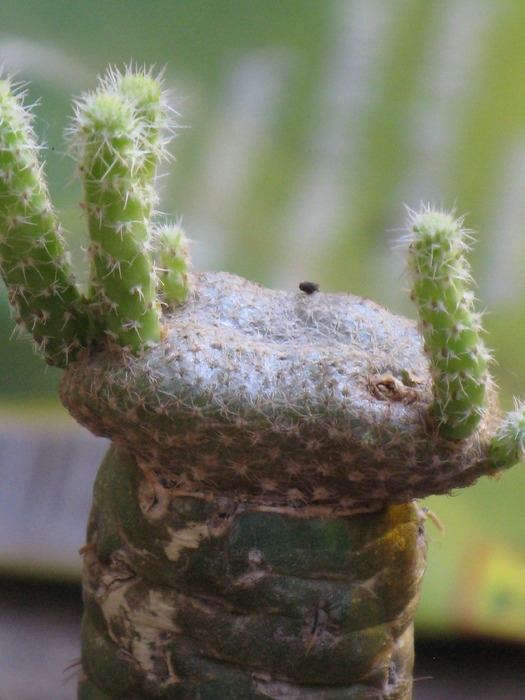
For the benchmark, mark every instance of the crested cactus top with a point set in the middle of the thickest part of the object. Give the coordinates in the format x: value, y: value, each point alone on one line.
x: 279, y: 397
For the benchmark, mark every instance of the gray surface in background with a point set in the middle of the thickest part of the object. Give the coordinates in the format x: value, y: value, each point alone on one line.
x: 47, y: 471
x: 39, y: 640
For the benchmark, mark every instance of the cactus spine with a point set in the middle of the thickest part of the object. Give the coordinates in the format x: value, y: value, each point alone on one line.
x: 450, y: 327
x: 33, y: 260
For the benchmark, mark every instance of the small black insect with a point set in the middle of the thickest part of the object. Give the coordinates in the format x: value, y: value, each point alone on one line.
x: 309, y: 287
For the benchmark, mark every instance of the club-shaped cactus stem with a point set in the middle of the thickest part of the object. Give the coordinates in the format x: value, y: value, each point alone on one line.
x: 153, y: 113
x: 170, y: 253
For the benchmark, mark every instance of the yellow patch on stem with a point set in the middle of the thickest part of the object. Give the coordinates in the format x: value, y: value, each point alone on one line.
x: 187, y: 538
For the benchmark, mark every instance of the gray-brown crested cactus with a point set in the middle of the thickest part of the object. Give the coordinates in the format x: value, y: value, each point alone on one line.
x: 253, y: 531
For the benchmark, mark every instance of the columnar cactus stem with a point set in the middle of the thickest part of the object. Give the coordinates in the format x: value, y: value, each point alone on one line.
x: 256, y: 602
x: 33, y: 260
x: 118, y: 207
x: 169, y: 243
x: 451, y: 328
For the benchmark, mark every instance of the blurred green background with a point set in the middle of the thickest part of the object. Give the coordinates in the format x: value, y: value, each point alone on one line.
x: 305, y: 127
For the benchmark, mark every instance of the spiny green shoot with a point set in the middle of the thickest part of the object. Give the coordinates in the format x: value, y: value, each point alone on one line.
x: 153, y: 113
x: 119, y: 134
x: 33, y: 260
x: 451, y: 328
x: 108, y: 146
x: 508, y: 445
x: 171, y: 257
x: 154, y: 120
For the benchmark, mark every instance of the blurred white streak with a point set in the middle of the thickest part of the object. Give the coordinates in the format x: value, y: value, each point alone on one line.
x: 503, y: 279
x: 344, y: 97
x: 449, y: 77
x: 30, y: 60
x: 249, y: 104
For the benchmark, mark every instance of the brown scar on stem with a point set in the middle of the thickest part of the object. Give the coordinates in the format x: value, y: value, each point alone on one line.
x: 386, y: 387
x: 320, y: 622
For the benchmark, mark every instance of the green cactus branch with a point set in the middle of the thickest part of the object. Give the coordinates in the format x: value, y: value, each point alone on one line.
x: 33, y: 260
x: 451, y: 328
x: 117, y: 207
x: 254, y: 530
x: 153, y: 114
x: 508, y: 446
x: 170, y: 253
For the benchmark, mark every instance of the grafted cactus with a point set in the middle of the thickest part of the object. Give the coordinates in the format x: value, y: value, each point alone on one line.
x: 253, y: 531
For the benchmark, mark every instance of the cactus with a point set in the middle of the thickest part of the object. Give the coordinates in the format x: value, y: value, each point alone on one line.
x: 253, y: 531
x: 170, y: 252
x: 33, y: 260
x: 508, y: 445
x: 117, y: 205
x: 451, y: 328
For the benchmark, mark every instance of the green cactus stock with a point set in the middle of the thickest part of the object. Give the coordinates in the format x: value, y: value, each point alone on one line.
x: 256, y: 509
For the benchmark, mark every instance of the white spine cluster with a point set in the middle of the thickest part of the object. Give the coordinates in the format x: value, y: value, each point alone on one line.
x: 508, y: 446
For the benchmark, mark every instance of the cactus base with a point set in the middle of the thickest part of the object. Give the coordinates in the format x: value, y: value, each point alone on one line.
x: 208, y: 597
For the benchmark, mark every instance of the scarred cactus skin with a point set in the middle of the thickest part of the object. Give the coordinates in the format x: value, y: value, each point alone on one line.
x: 253, y: 531
x: 33, y: 260
x: 194, y: 597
